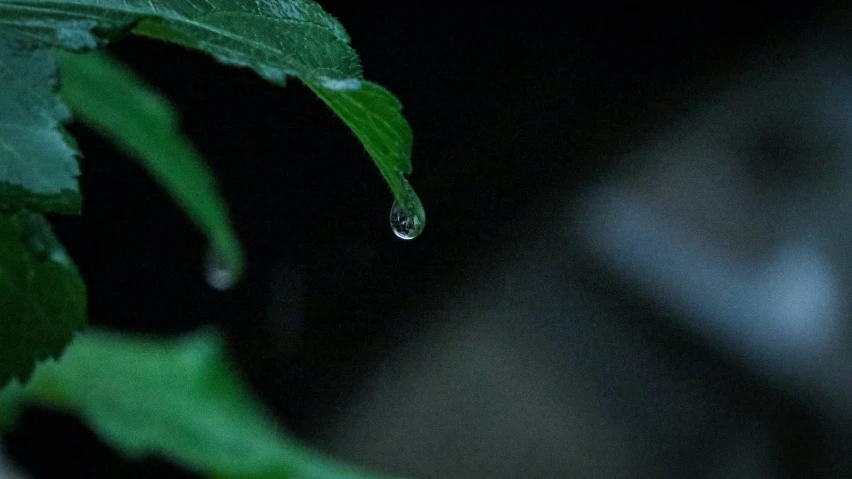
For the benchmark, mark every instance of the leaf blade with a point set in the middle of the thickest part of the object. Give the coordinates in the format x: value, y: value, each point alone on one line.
x: 38, y: 166
x: 276, y: 38
x: 179, y: 398
x: 374, y: 116
x: 43, y: 297
x: 109, y: 98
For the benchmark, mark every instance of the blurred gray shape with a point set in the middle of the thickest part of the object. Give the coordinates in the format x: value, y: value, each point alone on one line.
x: 738, y: 223
x: 528, y: 378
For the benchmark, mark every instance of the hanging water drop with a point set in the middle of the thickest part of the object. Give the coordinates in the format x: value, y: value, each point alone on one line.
x: 407, y: 220
x: 219, y: 275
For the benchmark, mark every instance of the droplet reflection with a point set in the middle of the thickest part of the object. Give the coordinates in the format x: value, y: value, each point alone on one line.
x: 408, y: 220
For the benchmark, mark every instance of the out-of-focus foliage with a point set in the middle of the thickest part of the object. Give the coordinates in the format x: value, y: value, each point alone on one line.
x: 43, y: 297
x: 111, y: 99
x: 179, y: 398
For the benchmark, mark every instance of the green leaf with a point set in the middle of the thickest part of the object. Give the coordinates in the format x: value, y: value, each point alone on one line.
x: 42, y: 297
x: 276, y: 38
x: 109, y: 98
x: 180, y: 399
x: 373, y: 115
x: 38, y: 168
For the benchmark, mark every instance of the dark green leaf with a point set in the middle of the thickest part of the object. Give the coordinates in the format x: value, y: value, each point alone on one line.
x: 373, y: 115
x: 42, y: 297
x: 38, y: 168
x: 180, y: 399
x: 111, y: 99
x: 276, y: 38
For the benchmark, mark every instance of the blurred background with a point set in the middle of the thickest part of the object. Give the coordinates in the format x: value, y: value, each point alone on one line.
x: 636, y: 264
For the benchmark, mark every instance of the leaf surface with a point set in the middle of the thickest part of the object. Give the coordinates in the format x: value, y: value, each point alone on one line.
x: 178, y: 398
x: 276, y: 38
x: 108, y: 97
x: 42, y: 297
x: 38, y: 168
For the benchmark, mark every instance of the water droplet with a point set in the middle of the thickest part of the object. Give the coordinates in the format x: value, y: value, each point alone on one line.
x: 218, y: 274
x: 407, y: 220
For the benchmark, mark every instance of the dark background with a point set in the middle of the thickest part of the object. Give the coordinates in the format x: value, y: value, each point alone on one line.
x: 508, y: 105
